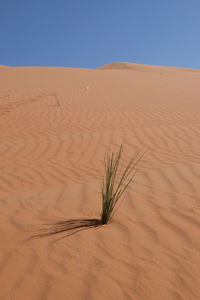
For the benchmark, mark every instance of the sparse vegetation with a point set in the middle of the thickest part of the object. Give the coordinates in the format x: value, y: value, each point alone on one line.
x: 115, y: 184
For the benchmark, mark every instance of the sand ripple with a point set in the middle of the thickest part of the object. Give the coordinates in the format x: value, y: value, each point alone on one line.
x: 55, y: 127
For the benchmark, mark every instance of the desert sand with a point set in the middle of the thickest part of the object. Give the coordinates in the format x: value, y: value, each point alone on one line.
x: 56, y: 126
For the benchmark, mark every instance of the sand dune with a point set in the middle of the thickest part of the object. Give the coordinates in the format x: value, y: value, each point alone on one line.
x: 140, y: 67
x: 56, y: 125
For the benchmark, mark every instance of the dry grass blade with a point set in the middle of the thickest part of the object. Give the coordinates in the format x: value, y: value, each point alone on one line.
x: 112, y: 189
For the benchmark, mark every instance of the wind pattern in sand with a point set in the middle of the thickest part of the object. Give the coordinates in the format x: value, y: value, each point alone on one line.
x: 56, y: 125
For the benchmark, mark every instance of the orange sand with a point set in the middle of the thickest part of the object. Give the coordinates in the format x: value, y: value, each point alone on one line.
x: 55, y: 127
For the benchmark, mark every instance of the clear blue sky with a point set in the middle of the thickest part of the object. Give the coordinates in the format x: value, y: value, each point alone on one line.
x: 91, y: 33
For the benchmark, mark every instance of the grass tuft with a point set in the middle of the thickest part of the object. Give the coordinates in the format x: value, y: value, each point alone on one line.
x: 112, y: 187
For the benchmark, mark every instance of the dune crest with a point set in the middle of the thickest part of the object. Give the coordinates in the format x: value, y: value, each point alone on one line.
x: 141, y: 67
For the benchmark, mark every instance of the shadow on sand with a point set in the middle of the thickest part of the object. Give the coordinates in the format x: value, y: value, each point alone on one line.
x: 71, y: 227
